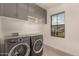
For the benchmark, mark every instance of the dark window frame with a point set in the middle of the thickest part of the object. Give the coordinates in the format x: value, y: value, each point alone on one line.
x: 57, y: 23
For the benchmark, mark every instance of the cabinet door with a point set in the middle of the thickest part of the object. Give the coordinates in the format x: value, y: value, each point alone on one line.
x: 44, y: 16
x: 9, y: 10
x: 1, y: 9
x: 37, y: 12
x: 32, y: 10
x: 22, y: 11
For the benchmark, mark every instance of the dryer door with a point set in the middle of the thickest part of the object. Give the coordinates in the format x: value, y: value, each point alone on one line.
x: 22, y: 49
x: 38, y: 46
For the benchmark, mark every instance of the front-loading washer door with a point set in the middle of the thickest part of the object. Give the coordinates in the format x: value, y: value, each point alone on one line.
x: 38, y: 46
x: 21, y: 49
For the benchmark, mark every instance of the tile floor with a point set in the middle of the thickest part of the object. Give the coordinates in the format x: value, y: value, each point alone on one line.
x: 48, y: 51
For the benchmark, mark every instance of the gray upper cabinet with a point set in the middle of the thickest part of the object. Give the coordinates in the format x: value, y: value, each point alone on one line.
x: 33, y: 10
x: 1, y: 9
x: 37, y: 12
x: 9, y: 9
x: 44, y: 16
x: 22, y: 11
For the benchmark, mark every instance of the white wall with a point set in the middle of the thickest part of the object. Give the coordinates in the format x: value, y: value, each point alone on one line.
x: 12, y: 25
x: 1, y: 34
x: 70, y: 43
x: 0, y: 27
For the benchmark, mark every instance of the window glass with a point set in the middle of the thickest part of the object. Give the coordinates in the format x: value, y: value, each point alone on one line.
x: 61, y: 18
x: 54, y: 18
x: 58, y: 25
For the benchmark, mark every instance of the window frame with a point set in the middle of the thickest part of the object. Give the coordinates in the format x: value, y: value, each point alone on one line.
x: 57, y: 23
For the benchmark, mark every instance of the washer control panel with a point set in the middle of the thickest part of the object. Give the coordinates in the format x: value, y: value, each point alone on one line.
x: 20, y: 40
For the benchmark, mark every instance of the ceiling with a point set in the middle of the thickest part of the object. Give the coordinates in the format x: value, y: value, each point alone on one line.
x: 47, y: 5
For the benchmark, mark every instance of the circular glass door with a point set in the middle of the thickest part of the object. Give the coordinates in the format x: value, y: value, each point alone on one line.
x: 38, y: 46
x: 22, y: 49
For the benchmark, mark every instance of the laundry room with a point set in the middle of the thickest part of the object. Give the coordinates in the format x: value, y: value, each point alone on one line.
x: 20, y: 30
x: 39, y: 29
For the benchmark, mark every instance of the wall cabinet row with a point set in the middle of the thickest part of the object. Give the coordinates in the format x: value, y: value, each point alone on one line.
x: 23, y: 11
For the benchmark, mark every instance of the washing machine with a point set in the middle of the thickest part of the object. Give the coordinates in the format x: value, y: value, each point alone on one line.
x: 36, y: 45
x: 19, y: 46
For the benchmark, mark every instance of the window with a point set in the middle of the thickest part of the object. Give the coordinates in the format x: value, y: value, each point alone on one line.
x: 58, y: 25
